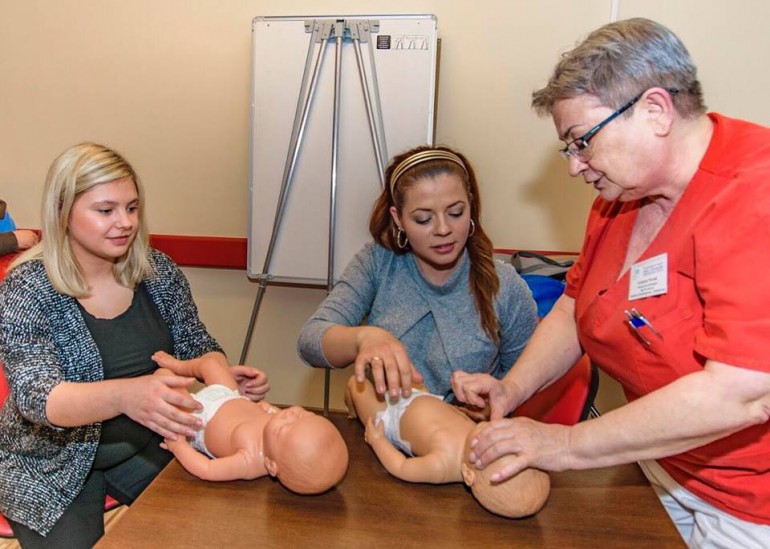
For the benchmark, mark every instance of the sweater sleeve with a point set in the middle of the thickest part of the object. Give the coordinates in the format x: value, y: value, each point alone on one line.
x: 347, y: 305
x: 8, y: 243
x: 517, y: 314
x: 27, y: 345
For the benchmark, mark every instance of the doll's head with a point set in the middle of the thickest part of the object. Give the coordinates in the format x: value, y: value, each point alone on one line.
x: 520, y: 496
x: 304, y: 451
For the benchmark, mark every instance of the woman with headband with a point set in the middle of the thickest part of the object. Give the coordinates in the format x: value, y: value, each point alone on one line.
x: 426, y: 298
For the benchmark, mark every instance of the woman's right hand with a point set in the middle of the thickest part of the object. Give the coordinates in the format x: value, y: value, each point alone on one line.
x: 392, y: 371
x: 162, y: 404
x: 26, y: 239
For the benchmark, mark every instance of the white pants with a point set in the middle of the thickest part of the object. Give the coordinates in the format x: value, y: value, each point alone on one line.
x: 701, y: 524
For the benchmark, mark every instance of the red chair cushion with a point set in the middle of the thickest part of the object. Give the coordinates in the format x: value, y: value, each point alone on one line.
x: 5, y: 261
x: 567, y: 400
x: 5, y: 528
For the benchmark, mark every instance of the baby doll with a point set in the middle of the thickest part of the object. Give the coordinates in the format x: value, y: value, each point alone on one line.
x: 435, y: 436
x: 247, y: 439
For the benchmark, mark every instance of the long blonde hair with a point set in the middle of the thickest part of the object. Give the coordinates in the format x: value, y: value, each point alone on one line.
x: 74, y: 172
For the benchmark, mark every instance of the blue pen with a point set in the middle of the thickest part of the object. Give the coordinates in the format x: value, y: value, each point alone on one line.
x: 637, y: 321
x: 646, y: 322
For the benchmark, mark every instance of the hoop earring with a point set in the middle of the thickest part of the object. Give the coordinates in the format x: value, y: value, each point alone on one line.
x: 401, y: 244
x: 473, y: 229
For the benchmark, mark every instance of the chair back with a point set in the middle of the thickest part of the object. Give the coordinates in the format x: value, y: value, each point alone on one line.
x: 5, y: 528
x: 568, y: 400
x: 3, y: 386
x: 5, y: 262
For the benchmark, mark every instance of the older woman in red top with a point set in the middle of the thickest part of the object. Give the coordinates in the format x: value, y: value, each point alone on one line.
x: 665, y: 297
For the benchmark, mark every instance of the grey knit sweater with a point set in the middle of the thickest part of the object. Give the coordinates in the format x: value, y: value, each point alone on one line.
x: 438, y: 325
x: 44, y: 341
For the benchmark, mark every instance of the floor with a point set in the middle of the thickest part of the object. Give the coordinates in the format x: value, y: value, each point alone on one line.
x: 110, y: 519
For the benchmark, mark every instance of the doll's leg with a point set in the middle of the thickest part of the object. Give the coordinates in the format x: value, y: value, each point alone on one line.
x: 362, y: 400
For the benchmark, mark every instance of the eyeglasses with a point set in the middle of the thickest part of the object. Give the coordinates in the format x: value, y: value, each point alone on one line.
x: 577, y: 147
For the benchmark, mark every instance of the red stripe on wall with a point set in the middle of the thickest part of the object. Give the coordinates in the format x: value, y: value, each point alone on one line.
x: 218, y: 252
x: 231, y: 253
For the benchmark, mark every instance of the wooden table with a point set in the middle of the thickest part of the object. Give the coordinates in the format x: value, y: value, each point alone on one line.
x: 612, y: 507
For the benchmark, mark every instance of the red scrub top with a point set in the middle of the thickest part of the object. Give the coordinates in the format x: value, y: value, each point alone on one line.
x: 717, y: 241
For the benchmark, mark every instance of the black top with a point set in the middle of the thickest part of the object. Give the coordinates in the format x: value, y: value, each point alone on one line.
x: 126, y: 344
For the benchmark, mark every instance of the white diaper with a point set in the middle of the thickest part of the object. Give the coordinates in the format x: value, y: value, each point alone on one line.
x: 391, y: 419
x: 212, y: 398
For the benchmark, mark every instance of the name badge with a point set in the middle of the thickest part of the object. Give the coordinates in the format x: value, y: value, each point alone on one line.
x: 649, y: 278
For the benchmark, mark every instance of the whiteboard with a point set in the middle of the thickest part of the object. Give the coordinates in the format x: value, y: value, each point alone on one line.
x: 404, y: 53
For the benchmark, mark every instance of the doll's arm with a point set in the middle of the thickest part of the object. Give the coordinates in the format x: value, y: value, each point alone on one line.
x: 430, y: 468
x: 235, y: 467
x: 211, y: 368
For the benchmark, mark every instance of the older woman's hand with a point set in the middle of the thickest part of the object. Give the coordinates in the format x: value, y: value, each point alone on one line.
x: 482, y: 391
x: 26, y: 239
x: 392, y: 370
x: 534, y: 444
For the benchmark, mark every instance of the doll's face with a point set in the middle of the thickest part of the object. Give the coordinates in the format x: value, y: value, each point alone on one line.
x: 282, y: 427
x: 282, y: 423
x: 304, y: 451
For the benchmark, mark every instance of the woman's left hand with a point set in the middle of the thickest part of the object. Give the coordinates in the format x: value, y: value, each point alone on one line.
x: 253, y: 382
x: 540, y: 445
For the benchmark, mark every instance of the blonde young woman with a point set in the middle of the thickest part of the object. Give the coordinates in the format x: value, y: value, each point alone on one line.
x: 80, y: 316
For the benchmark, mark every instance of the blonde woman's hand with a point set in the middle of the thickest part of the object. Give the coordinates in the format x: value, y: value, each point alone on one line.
x: 155, y: 402
x: 26, y: 239
x: 252, y: 382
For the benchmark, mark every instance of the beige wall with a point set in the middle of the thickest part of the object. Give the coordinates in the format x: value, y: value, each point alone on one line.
x: 167, y: 82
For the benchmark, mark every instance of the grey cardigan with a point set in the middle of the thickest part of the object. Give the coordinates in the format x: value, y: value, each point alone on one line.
x: 438, y: 325
x: 44, y: 341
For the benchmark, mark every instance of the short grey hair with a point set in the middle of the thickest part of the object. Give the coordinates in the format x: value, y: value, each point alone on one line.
x: 618, y: 61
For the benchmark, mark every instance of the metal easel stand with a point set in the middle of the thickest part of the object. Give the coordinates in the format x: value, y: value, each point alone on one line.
x: 355, y: 31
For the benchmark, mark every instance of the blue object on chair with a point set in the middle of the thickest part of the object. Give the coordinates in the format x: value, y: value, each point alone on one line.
x: 6, y: 224
x: 545, y: 289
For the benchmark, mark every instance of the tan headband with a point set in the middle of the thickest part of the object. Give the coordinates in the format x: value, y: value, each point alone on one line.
x: 419, y: 158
